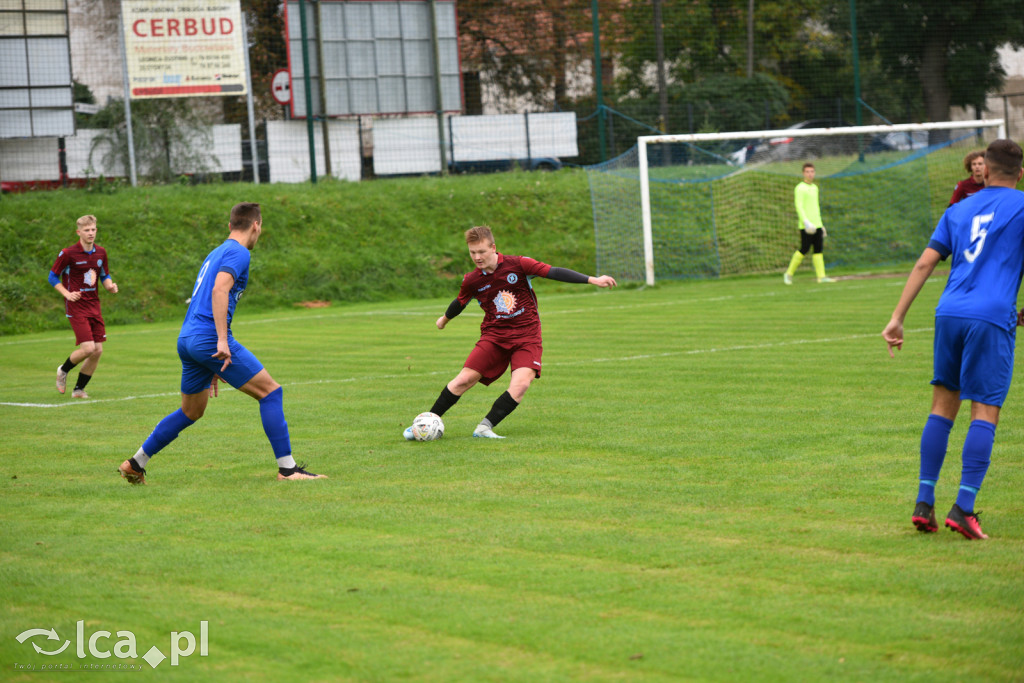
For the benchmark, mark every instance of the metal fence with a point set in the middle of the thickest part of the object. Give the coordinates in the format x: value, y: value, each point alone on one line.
x: 522, y: 83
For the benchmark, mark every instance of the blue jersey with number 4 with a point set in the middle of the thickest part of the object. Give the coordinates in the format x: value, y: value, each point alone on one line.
x: 985, y: 236
x: 230, y: 257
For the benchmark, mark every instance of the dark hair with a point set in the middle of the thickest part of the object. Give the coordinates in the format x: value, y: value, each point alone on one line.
x: 1003, y: 157
x: 806, y: 165
x: 971, y: 156
x: 480, y: 233
x: 244, y: 215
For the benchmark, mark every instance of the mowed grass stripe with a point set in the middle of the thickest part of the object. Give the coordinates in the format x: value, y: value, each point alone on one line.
x: 659, y: 511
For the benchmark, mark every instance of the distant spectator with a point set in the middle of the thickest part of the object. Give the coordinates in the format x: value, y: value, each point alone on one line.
x: 974, y: 163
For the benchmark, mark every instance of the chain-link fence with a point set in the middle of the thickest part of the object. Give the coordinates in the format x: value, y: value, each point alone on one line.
x: 521, y: 83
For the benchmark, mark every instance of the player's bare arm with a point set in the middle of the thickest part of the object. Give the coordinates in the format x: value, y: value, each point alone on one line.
x: 893, y: 332
x: 70, y: 296
x: 221, y: 292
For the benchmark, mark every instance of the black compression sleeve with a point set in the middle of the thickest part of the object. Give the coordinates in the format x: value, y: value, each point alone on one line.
x: 566, y: 275
x: 454, y: 308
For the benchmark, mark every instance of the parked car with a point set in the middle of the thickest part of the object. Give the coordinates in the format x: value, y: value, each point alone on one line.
x: 496, y: 165
x: 788, y: 148
x: 907, y: 140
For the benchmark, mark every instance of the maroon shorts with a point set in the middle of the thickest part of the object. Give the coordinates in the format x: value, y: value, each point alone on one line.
x: 88, y: 328
x: 490, y: 358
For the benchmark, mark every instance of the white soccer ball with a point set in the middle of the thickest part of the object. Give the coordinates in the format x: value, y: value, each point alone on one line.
x: 427, y: 427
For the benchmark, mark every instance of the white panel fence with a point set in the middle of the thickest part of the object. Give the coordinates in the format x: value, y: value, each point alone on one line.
x: 401, y: 146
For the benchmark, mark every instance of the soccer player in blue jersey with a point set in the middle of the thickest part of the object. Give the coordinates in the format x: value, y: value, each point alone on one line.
x: 208, y: 351
x: 975, y: 326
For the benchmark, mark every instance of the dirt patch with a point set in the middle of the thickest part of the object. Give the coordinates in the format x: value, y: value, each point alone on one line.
x: 313, y: 304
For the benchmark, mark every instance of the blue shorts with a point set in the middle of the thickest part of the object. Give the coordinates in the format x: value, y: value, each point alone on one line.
x: 975, y: 358
x: 198, y: 366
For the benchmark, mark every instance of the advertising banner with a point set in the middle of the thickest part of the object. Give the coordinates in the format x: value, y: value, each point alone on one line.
x: 183, y: 48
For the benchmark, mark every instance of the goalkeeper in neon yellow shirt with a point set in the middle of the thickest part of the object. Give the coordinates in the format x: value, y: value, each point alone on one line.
x: 812, y: 232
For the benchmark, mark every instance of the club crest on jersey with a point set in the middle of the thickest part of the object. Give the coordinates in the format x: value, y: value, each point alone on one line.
x: 90, y: 277
x: 99, y: 262
x: 512, y: 278
x: 505, y: 302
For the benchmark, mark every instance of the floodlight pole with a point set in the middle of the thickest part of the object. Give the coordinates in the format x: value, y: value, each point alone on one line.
x: 856, y: 74
x: 598, y: 80
x: 253, y: 147
x: 309, y: 95
x: 127, y: 105
x: 437, y: 86
x: 323, y: 85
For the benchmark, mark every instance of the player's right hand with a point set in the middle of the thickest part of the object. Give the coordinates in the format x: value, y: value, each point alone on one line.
x: 893, y: 336
x: 223, y: 353
x: 441, y: 322
x: 214, y: 392
x: 73, y: 296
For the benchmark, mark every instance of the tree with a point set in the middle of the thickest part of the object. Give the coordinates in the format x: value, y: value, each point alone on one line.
x: 710, y: 38
x: 946, y: 49
x: 526, y: 47
x: 268, y: 52
x: 168, y: 134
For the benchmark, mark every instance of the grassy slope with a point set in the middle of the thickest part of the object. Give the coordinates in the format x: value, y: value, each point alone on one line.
x: 336, y: 241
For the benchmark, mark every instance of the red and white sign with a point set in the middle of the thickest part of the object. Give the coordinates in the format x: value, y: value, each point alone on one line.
x: 183, y: 49
x: 281, y: 87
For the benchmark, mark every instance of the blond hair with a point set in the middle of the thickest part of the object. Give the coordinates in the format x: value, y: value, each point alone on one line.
x: 85, y: 220
x: 480, y: 233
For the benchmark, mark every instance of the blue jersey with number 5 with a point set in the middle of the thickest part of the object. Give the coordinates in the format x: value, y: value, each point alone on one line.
x: 985, y: 236
x: 230, y: 257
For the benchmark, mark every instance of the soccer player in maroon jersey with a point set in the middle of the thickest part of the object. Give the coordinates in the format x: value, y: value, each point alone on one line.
x: 76, y: 273
x: 974, y: 163
x: 510, y: 333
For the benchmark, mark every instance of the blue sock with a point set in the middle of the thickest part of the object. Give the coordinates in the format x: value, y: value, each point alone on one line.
x: 166, y: 431
x: 934, y: 440
x: 272, y: 414
x: 977, y: 455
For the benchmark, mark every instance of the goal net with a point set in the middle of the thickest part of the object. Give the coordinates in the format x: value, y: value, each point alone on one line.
x: 714, y: 204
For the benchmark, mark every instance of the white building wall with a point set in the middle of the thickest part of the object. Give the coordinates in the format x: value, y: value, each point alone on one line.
x: 96, y: 47
x: 1009, y: 103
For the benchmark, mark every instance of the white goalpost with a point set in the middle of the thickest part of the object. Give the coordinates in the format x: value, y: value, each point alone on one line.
x: 843, y: 148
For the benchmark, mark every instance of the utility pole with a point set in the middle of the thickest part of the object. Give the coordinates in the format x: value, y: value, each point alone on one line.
x: 750, y: 39
x: 598, y: 79
x: 659, y: 42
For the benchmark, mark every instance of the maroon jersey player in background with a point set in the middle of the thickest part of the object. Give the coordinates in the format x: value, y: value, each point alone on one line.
x: 76, y: 274
x: 510, y: 332
x: 974, y: 163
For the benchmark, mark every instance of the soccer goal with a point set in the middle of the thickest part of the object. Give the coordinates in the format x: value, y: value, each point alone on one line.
x: 713, y: 204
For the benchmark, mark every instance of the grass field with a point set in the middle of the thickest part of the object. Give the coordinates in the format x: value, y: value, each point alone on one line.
x: 713, y: 480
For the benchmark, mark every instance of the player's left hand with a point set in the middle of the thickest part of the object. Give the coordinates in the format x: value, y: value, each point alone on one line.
x: 1020, y: 318
x: 824, y: 232
x: 604, y: 281
x: 112, y: 288
x: 214, y: 392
